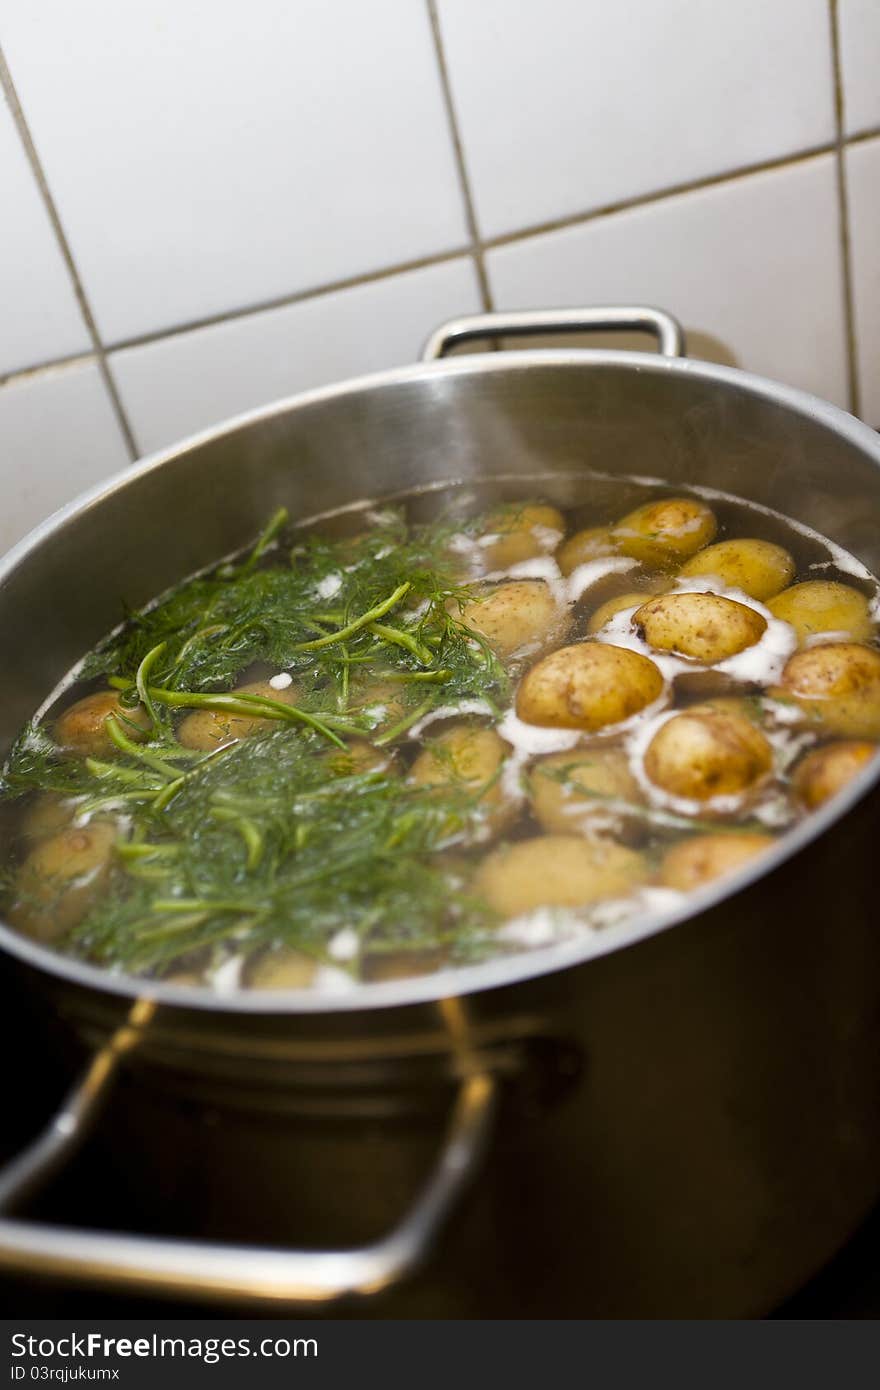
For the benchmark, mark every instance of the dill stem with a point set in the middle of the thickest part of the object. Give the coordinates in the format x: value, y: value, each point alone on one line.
x: 140, y: 681
x: 125, y: 745
x: 401, y: 727
x: 238, y: 703
x: 378, y: 611
x: 126, y: 775
x: 403, y: 639
x: 205, y: 905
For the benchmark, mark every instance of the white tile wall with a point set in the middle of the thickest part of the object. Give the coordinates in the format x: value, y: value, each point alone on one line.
x: 568, y: 105
x: 744, y: 262
x: 863, y: 173
x: 39, y: 318
x: 59, y: 436
x: 177, y: 385
x: 859, y: 22
x: 209, y: 157
x: 232, y: 163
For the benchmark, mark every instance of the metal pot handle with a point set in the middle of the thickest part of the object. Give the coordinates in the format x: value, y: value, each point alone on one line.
x: 209, y: 1270
x: 528, y: 322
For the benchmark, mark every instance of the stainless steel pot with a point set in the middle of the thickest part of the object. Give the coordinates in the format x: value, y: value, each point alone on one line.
x: 685, y: 1125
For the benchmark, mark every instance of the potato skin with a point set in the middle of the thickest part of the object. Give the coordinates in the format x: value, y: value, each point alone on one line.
x: 48, y: 814
x: 825, y: 771
x: 60, y: 879
x: 759, y: 568
x: 82, y: 727
x: 612, y: 606
x: 522, y: 534
x: 514, y: 614
x: 663, y: 534
x: 356, y: 757
x: 591, y: 544
x: 837, y: 683
x: 705, y: 627
x: 692, y: 863
x: 282, y: 968
x: 207, y: 729
x: 556, y: 871
x: 706, y: 752
x: 823, y: 605
x: 467, y: 757
x: 588, y: 686
x: 565, y: 806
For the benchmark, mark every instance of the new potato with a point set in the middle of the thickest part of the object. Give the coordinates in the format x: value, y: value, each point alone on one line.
x: 469, y: 758
x: 207, y: 729
x: 515, y: 614
x: 692, y: 863
x: 568, y: 791
x: 594, y: 543
x: 823, y: 605
x: 837, y: 683
x: 588, y: 686
x: 705, y: 627
x: 281, y: 968
x: 58, y: 882
x: 663, y: 534
x: 825, y: 771
x: 759, y: 568
x: 523, y: 534
x: 82, y: 728
x: 611, y: 607
x: 557, y: 871
x: 705, y: 752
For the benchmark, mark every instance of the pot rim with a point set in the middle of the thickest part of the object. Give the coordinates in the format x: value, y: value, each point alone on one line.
x: 530, y: 962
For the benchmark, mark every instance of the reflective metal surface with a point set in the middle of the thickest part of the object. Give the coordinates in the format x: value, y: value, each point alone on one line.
x: 723, y: 1136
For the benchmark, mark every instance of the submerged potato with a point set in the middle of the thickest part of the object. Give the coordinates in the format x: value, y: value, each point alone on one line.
x: 60, y: 879
x: 468, y: 758
x: 570, y: 791
x: 837, y: 683
x: 664, y: 533
x: 759, y: 568
x: 612, y: 606
x: 705, y: 627
x: 823, y: 605
x: 825, y: 771
x: 356, y: 757
x: 522, y: 533
x: 692, y: 863
x: 518, y: 613
x: 281, y: 968
x: 588, y: 686
x: 706, y: 752
x: 83, y: 727
x: 557, y: 871
x: 47, y: 815
x: 592, y: 544
x: 207, y: 729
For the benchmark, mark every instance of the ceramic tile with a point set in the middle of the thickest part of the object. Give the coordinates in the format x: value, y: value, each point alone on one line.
x: 208, y: 158
x: 58, y: 437
x: 572, y: 105
x: 863, y: 182
x: 40, y: 318
x: 751, y: 267
x: 183, y: 383
x: 859, y: 22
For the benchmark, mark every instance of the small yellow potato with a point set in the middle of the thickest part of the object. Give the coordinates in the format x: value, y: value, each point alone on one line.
x: 400, y: 965
x: 58, y: 882
x: 592, y: 544
x: 823, y: 605
x: 518, y: 613
x: 357, y: 756
x: 83, y: 729
x: 207, y: 729
x: 608, y: 610
x: 184, y: 977
x: 759, y: 568
x: 469, y: 758
x: 524, y: 532
x: 704, y: 627
x: 390, y: 696
x: 588, y: 686
x: 47, y: 814
x: 570, y: 791
x: 692, y: 863
x: 705, y: 752
x: 557, y: 871
x: 837, y: 683
x: 665, y: 533
x: 281, y: 968
x: 825, y: 771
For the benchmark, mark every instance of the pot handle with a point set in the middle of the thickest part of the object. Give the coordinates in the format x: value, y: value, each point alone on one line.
x: 209, y: 1270
x: 528, y: 322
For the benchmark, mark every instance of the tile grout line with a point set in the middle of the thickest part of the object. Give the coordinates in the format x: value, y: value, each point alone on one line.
x: 425, y: 262
x: 849, y: 308
x: 477, y: 249
x: 18, y: 116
